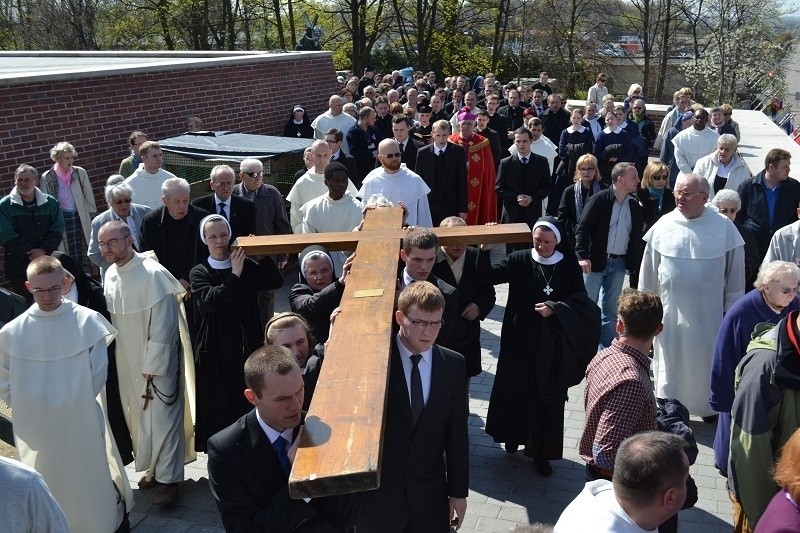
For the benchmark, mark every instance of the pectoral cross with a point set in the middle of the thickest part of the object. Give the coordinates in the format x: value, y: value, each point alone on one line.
x: 147, y: 396
x: 340, y: 450
x: 547, y: 289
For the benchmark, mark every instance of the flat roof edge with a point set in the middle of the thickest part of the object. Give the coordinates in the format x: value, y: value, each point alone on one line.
x: 162, y: 61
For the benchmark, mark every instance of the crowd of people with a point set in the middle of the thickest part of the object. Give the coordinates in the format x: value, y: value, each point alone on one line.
x: 180, y: 351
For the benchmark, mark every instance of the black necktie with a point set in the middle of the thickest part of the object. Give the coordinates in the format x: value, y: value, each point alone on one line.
x: 222, y: 210
x: 524, y: 160
x: 280, y: 450
x: 402, y: 147
x: 417, y: 399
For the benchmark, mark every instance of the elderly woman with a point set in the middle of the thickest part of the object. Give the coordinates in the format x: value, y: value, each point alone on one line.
x: 783, y: 512
x: 70, y: 186
x: 119, y: 197
x: 574, y: 198
x: 224, y: 289
x: 723, y: 168
x: 634, y: 92
x: 550, y: 333
x: 291, y: 331
x: 774, y: 298
x: 317, y: 294
x: 728, y: 203
x: 654, y: 196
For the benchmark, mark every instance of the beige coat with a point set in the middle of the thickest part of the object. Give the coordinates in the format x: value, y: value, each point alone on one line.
x: 81, y: 191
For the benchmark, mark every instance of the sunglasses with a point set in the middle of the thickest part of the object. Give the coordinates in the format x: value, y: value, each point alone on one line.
x: 788, y: 290
x: 254, y: 174
x: 392, y: 156
x: 660, y: 177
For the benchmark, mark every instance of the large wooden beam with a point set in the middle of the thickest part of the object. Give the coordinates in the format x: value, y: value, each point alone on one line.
x: 340, y: 451
x: 348, y: 240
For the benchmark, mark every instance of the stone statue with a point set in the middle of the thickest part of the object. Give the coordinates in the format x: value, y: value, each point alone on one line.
x: 313, y: 35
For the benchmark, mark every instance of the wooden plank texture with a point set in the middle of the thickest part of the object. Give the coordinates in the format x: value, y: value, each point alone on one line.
x: 341, y: 445
x: 348, y: 240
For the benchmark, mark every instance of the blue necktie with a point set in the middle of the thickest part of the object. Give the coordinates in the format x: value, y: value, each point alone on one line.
x: 280, y: 450
x: 222, y: 210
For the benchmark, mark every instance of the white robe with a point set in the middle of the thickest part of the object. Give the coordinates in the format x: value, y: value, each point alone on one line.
x: 144, y: 300
x: 324, y: 214
x: 147, y: 187
x: 691, y: 145
x: 53, y: 368
x: 309, y: 186
x: 343, y: 122
x: 402, y: 186
x: 696, y: 266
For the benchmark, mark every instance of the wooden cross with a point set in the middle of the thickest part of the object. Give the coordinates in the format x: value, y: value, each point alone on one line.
x: 340, y: 450
x: 147, y: 396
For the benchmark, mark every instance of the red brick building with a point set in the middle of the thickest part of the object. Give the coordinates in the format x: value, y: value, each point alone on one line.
x: 94, y: 100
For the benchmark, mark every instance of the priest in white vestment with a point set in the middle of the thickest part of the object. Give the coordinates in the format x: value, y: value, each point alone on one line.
x: 694, y: 260
x: 336, y: 210
x: 53, y: 369
x: 311, y: 184
x: 155, y: 368
x: 694, y: 143
x: 396, y: 183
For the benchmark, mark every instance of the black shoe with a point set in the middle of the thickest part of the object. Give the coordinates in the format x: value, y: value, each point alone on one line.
x: 710, y: 419
x: 543, y: 467
x: 511, y: 448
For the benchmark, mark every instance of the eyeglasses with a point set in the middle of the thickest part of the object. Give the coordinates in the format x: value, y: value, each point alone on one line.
x: 602, y: 79
x: 686, y: 195
x: 660, y: 177
x: 638, y: 108
x: 788, y: 290
x: 221, y: 237
x: 122, y: 201
x: 253, y: 174
x: 424, y: 324
x: 392, y: 156
x: 109, y: 243
x: 726, y: 210
x: 57, y: 288
x: 224, y: 184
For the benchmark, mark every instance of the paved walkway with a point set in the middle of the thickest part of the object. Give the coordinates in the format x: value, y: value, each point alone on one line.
x: 505, y: 490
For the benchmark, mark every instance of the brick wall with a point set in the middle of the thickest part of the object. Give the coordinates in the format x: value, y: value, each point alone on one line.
x: 97, y: 114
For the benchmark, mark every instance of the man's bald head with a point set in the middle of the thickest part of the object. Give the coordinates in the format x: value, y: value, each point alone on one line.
x: 335, y: 104
x: 320, y: 155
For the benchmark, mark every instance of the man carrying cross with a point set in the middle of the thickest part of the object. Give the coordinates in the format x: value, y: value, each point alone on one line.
x: 144, y: 300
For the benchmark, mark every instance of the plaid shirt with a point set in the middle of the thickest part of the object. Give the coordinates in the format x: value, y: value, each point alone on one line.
x: 618, y: 400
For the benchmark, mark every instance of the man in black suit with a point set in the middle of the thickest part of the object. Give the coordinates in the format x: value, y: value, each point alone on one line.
x: 468, y: 269
x: 425, y: 459
x: 249, y: 461
x: 240, y: 212
x: 484, y: 129
x: 523, y: 181
x: 334, y: 137
x: 418, y: 256
x: 555, y: 118
x: 401, y: 127
x: 443, y: 167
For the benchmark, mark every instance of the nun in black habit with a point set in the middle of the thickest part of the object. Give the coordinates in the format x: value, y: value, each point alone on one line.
x: 550, y: 333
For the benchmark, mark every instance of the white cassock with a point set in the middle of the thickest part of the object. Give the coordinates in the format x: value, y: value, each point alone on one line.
x: 324, y: 214
x: 53, y: 369
x: 307, y: 187
x: 696, y: 266
x: 145, y: 302
x: 402, y: 186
